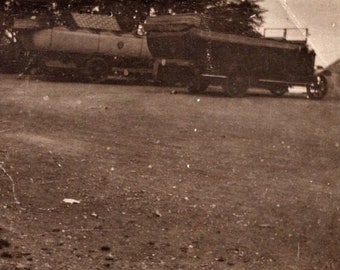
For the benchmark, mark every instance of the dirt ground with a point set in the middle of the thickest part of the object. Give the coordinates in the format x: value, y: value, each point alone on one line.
x: 161, y: 181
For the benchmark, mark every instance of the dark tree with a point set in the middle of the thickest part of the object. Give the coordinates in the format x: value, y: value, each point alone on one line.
x: 242, y: 17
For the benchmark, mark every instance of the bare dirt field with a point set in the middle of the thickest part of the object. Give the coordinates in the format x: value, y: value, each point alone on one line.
x: 163, y: 181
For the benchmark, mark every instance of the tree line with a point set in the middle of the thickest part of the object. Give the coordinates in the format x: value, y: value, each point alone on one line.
x: 241, y: 17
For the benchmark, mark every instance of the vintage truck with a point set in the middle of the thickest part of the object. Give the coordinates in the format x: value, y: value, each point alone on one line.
x: 177, y: 48
x: 185, y: 43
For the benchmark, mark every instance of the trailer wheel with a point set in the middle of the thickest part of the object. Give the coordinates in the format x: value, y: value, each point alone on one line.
x: 235, y: 87
x: 318, y: 89
x: 166, y: 77
x: 198, y: 85
x: 96, y: 70
x: 278, y: 90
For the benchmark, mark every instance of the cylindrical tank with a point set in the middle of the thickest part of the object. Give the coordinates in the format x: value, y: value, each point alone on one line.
x: 61, y: 39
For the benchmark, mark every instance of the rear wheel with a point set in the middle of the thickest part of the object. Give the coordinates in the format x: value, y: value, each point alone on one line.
x: 235, y: 87
x: 198, y: 85
x: 278, y: 90
x: 318, y: 89
x: 96, y: 70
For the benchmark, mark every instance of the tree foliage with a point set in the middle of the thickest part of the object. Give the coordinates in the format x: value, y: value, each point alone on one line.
x: 238, y: 16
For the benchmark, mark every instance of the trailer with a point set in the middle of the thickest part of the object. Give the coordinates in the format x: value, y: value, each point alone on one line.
x: 184, y: 46
x: 93, y: 46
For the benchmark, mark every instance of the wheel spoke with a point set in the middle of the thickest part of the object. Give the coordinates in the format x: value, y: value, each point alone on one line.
x: 198, y: 85
x: 96, y: 70
x: 278, y: 90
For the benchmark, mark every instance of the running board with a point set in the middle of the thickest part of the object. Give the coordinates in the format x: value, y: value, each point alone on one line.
x: 284, y: 82
x: 260, y: 80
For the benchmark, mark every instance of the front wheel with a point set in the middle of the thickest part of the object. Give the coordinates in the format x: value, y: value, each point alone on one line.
x: 318, y: 89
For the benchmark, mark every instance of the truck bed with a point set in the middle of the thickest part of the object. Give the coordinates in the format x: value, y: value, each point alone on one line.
x: 188, y: 37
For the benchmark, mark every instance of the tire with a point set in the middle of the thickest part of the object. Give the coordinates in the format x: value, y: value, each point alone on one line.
x: 96, y: 70
x: 318, y: 89
x: 278, y: 90
x: 235, y: 87
x: 198, y: 85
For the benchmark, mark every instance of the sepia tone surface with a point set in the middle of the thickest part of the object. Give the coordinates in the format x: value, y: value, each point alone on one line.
x: 162, y: 181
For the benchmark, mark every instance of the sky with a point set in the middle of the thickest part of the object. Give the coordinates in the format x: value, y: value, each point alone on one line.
x: 321, y: 17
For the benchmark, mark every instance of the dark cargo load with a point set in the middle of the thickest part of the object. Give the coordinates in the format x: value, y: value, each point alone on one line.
x: 170, y: 23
